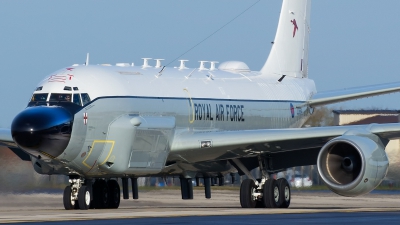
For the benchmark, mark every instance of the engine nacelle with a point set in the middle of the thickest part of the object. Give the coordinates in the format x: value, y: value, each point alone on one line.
x: 353, y: 164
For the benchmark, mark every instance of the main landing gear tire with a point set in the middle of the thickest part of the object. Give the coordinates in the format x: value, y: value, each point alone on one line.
x: 284, y: 193
x: 247, y: 188
x: 106, y: 194
x: 260, y: 204
x: 271, y: 194
x: 100, y: 194
x: 84, y: 197
x: 69, y: 204
x: 114, y: 194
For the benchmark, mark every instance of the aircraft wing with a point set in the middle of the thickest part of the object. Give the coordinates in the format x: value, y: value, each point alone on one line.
x: 329, y: 97
x: 286, y: 147
x: 7, y: 141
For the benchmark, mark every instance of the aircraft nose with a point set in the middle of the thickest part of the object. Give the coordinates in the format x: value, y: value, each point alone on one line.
x: 43, y: 130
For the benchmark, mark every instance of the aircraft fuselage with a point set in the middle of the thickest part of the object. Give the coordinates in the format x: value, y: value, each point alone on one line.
x: 105, y: 141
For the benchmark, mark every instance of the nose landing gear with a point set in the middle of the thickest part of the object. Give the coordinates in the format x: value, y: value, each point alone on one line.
x: 77, y: 195
x: 80, y: 194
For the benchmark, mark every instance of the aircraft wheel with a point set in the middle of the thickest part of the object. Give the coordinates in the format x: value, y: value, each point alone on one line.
x: 260, y: 204
x: 271, y: 194
x: 247, y: 189
x: 92, y: 204
x: 76, y: 204
x: 114, y: 194
x: 284, y: 194
x: 84, y: 197
x: 100, y: 194
x: 67, y: 199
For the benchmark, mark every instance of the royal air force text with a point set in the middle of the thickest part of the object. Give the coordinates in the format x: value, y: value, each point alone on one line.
x: 220, y: 112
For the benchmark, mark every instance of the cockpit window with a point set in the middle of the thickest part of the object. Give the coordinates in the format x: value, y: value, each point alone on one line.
x: 85, y: 98
x: 60, y: 97
x: 39, y: 97
x: 77, y: 99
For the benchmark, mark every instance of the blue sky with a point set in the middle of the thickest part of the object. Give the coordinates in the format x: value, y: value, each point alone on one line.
x: 353, y: 43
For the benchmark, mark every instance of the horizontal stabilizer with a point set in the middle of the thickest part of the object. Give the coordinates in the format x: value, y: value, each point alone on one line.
x: 330, y: 97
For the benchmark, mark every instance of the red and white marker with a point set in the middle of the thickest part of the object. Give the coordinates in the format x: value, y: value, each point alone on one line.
x: 85, y: 118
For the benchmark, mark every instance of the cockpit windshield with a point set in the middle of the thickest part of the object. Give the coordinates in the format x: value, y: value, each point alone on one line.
x: 79, y: 99
x: 60, y: 97
x: 39, y: 97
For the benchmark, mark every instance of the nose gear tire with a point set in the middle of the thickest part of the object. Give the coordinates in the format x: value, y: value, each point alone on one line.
x: 84, y: 197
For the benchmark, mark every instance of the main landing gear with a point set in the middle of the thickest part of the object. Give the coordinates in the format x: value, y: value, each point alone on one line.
x: 270, y: 193
x: 265, y: 192
x: 82, y: 194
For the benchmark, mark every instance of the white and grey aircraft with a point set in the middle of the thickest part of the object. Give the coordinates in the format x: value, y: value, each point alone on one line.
x: 99, y: 123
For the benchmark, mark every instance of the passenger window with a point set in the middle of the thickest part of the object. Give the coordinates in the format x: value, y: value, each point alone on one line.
x: 60, y: 97
x: 85, y: 98
x: 77, y: 99
x: 39, y: 97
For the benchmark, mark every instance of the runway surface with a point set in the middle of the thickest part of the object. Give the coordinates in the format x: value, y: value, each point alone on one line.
x: 166, y: 207
x: 315, y: 218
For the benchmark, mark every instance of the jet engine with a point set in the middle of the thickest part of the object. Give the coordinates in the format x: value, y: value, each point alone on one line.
x: 354, y: 163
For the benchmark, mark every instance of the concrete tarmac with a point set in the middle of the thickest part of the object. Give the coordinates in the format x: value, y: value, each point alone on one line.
x: 168, y: 203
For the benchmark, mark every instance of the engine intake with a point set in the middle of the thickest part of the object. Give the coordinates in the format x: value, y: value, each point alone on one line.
x: 353, y: 164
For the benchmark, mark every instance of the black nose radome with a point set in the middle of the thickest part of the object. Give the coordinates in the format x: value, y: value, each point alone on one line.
x: 42, y: 130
